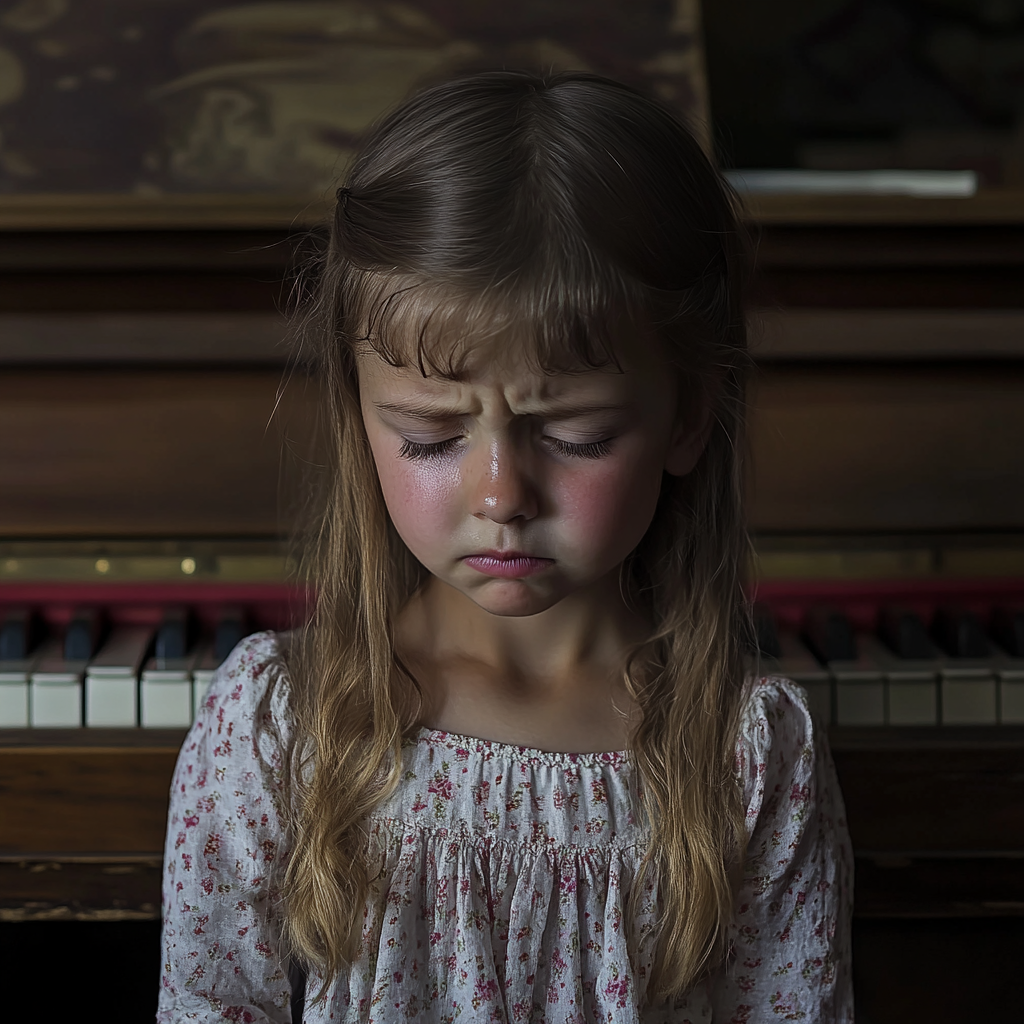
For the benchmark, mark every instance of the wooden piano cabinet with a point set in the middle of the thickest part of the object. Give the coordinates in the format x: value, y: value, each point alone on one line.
x: 83, y: 814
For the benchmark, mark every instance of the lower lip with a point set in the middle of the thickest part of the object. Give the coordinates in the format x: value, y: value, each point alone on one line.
x: 508, y: 568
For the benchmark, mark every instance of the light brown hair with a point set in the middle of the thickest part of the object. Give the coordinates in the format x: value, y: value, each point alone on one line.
x: 560, y: 203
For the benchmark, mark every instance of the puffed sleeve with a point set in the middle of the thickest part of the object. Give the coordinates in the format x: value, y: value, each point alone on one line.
x: 790, y: 943
x: 226, y: 850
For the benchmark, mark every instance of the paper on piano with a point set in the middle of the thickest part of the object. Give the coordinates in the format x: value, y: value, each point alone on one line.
x: 795, y: 181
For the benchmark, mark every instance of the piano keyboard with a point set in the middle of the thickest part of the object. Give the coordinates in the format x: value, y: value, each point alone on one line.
x: 957, y: 667
x: 97, y: 674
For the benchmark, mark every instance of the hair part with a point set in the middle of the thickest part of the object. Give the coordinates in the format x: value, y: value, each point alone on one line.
x: 559, y: 205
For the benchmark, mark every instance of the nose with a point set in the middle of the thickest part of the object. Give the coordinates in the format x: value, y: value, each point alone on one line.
x: 502, y: 488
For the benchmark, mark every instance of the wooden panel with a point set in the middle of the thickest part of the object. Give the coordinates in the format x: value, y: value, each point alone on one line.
x: 949, y: 287
x: 130, y: 453
x: 892, y: 450
x: 168, y: 337
x: 996, y: 206
x: 73, y: 890
x: 810, y: 247
x: 81, y: 800
x: 104, y: 212
x: 871, y: 334
x: 933, y: 791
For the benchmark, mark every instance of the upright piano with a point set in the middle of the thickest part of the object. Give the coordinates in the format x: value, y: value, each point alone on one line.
x: 141, y: 512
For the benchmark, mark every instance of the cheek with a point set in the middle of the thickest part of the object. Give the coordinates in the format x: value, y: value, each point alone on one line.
x: 420, y: 498
x: 608, y: 506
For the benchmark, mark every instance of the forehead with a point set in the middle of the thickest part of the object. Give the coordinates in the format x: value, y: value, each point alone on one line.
x: 484, y: 369
x: 459, y: 336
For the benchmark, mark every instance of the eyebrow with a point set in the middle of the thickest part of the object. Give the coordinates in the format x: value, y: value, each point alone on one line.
x: 424, y: 410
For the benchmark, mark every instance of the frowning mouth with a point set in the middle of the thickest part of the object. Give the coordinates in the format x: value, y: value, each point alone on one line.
x: 510, y: 565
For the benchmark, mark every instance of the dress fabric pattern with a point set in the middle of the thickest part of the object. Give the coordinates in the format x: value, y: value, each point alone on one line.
x: 506, y: 878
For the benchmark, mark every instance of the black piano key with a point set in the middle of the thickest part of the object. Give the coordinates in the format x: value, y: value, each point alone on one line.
x: 18, y: 634
x: 766, y: 633
x: 82, y: 636
x: 829, y: 634
x: 1008, y: 630
x: 959, y: 634
x: 906, y: 635
x: 230, y: 629
x: 174, y: 637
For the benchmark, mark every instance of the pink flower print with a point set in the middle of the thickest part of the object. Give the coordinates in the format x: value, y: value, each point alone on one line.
x: 213, y: 845
x: 239, y: 1014
x: 207, y: 884
x: 599, y: 791
x: 558, y: 964
x: 191, y: 820
x: 618, y: 990
x: 442, y: 786
x: 418, y: 804
x: 484, y: 992
x: 481, y: 793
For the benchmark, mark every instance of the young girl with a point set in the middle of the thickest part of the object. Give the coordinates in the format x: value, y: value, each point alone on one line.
x: 515, y: 768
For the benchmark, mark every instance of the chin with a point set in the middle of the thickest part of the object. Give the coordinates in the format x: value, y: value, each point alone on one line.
x: 512, y: 598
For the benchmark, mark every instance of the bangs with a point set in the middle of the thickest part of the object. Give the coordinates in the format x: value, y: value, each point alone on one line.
x: 435, y: 327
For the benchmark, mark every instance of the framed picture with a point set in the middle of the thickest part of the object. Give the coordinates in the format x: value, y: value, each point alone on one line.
x: 117, y: 113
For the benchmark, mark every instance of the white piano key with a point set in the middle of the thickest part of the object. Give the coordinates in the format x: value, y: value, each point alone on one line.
x: 859, y: 687
x: 1012, y: 702
x: 1010, y: 675
x: 913, y: 701
x: 112, y: 679
x: 912, y: 686
x: 968, y: 699
x: 55, y: 690
x: 166, y: 693
x: 14, y: 687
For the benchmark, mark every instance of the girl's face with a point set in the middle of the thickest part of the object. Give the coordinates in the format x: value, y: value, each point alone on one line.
x: 518, y: 487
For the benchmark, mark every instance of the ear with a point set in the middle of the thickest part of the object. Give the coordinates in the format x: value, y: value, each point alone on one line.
x: 689, y: 438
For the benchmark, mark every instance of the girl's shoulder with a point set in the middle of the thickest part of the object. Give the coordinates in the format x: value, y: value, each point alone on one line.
x: 250, y: 692
x: 776, y: 722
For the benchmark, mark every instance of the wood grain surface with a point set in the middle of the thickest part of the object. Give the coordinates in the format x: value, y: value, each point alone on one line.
x: 895, y: 449
x: 81, y: 801
x: 129, y: 453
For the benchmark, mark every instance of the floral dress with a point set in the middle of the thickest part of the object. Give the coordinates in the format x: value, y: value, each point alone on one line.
x: 507, y: 878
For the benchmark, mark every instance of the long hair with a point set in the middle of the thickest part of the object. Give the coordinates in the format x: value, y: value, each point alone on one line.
x: 561, y: 204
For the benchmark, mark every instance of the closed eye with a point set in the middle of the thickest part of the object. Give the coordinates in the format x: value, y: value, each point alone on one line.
x: 433, y: 452
x: 586, y: 450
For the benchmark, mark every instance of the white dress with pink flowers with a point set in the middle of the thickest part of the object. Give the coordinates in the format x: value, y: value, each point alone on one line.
x: 506, y: 881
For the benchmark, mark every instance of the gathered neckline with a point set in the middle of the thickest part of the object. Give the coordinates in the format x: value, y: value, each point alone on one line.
x: 522, y: 754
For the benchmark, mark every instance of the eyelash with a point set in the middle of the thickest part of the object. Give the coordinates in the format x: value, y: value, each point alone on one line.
x: 419, y: 452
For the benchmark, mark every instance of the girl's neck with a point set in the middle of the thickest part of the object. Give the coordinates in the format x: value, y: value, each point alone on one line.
x: 552, y: 680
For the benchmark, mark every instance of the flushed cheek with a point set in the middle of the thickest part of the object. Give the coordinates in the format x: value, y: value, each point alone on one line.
x: 606, y: 509
x: 421, y: 499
